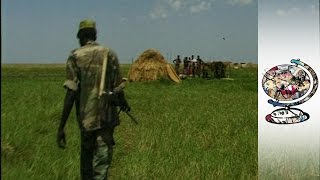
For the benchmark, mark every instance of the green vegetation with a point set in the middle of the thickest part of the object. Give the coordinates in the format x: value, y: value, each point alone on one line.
x: 199, y: 129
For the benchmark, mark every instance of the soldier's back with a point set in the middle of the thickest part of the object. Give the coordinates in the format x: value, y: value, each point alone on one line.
x: 89, y: 60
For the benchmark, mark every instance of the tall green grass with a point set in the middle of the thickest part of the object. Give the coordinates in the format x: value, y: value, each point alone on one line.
x: 199, y: 129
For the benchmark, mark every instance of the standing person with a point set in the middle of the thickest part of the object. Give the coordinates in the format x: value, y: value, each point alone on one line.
x: 92, y: 70
x: 200, y: 66
x: 194, y: 67
x: 185, y: 65
x: 192, y: 58
x: 189, y: 66
x: 177, y: 62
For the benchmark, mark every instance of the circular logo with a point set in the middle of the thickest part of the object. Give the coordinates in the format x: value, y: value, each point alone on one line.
x: 289, y: 85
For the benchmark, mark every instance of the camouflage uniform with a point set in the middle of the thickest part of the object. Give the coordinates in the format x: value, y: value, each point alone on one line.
x: 84, y: 67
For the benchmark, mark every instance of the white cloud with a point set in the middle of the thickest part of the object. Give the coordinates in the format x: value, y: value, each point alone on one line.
x: 176, y: 4
x: 240, y: 2
x: 202, y: 6
x: 164, y: 8
x: 159, y: 12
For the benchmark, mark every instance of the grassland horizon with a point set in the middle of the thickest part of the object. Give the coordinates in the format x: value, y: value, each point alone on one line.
x: 198, y: 129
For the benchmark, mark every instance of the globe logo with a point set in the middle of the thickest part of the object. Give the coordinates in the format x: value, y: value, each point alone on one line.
x: 289, y: 85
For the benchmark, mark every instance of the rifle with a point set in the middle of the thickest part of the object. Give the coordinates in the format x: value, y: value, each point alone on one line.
x: 117, y: 96
x: 121, y: 100
x: 133, y: 119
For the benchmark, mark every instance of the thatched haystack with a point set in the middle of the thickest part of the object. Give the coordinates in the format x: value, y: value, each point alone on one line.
x: 151, y: 65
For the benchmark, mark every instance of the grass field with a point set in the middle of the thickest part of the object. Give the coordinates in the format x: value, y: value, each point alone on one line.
x: 199, y: 129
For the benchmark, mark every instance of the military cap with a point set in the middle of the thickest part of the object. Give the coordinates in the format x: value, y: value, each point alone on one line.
x: 87, y: 23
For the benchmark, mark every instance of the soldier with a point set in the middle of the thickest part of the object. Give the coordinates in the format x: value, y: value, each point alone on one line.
x: 92, y: 70
x: 177, y: 62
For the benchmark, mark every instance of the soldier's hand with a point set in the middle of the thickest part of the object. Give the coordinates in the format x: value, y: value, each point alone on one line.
x: 125, y: 107
x: 61, y: 139
x: 122, y: 102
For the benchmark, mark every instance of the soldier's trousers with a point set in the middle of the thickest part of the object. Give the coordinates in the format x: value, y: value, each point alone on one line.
x: 96, y: 153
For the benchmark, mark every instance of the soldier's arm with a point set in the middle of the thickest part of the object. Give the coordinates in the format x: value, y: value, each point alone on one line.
x: 68, y: 103
x: 71, y: 84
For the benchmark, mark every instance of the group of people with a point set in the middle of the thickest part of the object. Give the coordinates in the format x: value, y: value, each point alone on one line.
x: 191, y: 66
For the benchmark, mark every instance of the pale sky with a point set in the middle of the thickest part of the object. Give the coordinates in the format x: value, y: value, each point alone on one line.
x: 44, y: 31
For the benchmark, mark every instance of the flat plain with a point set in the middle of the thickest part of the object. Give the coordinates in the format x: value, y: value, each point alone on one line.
x: 198, y: 129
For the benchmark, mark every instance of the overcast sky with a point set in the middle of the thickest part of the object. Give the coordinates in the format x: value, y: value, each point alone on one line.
x: 44, y: 31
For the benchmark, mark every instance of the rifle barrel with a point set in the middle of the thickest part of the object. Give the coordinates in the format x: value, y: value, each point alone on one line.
x: 132, y: 118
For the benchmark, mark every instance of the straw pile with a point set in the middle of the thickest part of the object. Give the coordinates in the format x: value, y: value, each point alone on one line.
x: 149, y: 66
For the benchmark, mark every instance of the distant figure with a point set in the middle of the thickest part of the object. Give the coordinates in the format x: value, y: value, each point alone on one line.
x: 199, y: 60
x: 185, y: 65
x: 190, y: 66
x: 205, y: 70
x: 199, y: 66
x: 193, y: 65
x: 177, y: 62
